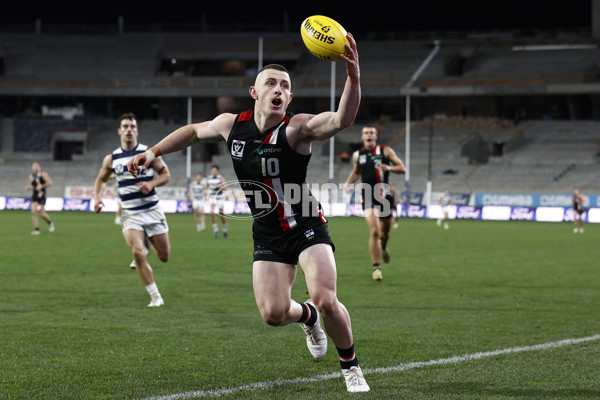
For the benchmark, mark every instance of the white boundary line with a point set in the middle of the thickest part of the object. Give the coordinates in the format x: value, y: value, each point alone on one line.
x: 402, y: 367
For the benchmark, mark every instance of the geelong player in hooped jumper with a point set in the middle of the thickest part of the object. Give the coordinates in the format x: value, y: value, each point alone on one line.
x: 142, y: 216
x: 270, y: 149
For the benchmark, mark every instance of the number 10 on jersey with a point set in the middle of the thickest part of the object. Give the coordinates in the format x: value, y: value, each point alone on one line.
x: 270, y: 166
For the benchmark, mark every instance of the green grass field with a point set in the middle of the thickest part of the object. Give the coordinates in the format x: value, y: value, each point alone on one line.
x: 74, y: 322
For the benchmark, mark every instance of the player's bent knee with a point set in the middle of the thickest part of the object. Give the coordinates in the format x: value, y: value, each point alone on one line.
x: 138, y: 254
x: 164, y: 255
x: 327, y: 305
x: 273, y: 322
x: 273, y: 319
x: 163, y: 249
x: 273, y: 316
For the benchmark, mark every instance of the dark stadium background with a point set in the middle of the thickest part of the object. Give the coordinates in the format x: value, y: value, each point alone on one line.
x: 382, y: 16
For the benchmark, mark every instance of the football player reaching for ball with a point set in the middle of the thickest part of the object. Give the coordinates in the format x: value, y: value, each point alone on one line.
x: 270, y: 148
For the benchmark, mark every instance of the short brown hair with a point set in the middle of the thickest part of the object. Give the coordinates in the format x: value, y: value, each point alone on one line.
x: 129, y: 115
x: 369, y: 127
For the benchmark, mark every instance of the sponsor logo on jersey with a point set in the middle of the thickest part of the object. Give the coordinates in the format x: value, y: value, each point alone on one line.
x: 268, y: 150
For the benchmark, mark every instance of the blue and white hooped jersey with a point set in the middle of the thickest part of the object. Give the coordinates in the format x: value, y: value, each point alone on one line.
x: 198, y: 189
x: 214, y: 189
x: 445, y: 200
x: 132, y: 199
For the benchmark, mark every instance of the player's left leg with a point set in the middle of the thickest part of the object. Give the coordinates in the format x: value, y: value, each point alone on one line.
x: 34, y: 218
x: 213, y: 218
x: 372, y: 219
x: 46, y: 217
x: 162, y: 246
x: 135, y: 240
x: 196, y: 217
x: 201, y: 216
x: 272, y: 283
x: 318, y: 265
x: 385, y: 225
x: 202, y: 219
x: 223, y: 222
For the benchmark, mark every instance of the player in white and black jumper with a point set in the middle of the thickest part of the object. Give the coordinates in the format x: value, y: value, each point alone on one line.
x: 39, y: 180
x: 577, y: 211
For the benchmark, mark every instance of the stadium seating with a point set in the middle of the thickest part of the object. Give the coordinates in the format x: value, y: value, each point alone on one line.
x: 526, y: 155
x: 549, y: 148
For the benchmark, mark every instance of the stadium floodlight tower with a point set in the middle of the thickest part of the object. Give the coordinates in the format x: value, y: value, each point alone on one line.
x: 407, y: 91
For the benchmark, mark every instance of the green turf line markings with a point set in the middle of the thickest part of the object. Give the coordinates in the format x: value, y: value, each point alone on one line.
x: 384, y: 370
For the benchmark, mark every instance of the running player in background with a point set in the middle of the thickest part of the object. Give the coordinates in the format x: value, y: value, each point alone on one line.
x: 270, y: 148
x: 216, y: 200
x: 197, y: 194
x: 577, y: 211
x: 141, y: 214
x: 445, y: 201
x: 373, y: 163
x: 39, y: 180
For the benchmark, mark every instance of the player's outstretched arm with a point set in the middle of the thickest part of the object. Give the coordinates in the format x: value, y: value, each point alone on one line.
x: 350, y: 100
x: 325, y: 125
x: 215, y: 130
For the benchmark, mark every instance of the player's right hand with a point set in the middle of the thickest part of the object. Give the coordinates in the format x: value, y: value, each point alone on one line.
x: 140, y: 161
x: 98, y: 206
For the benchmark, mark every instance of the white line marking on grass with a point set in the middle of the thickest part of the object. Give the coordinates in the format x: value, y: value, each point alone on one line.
x: 484, y: 354
x: 384, y: 370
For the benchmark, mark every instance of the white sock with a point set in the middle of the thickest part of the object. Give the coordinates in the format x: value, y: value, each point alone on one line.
x: 152, y: 289
x: 215, y: 227
x: 224, y: 227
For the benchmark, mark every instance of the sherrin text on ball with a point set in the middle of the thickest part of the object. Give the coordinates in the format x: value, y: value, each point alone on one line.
x: 324, y: 37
